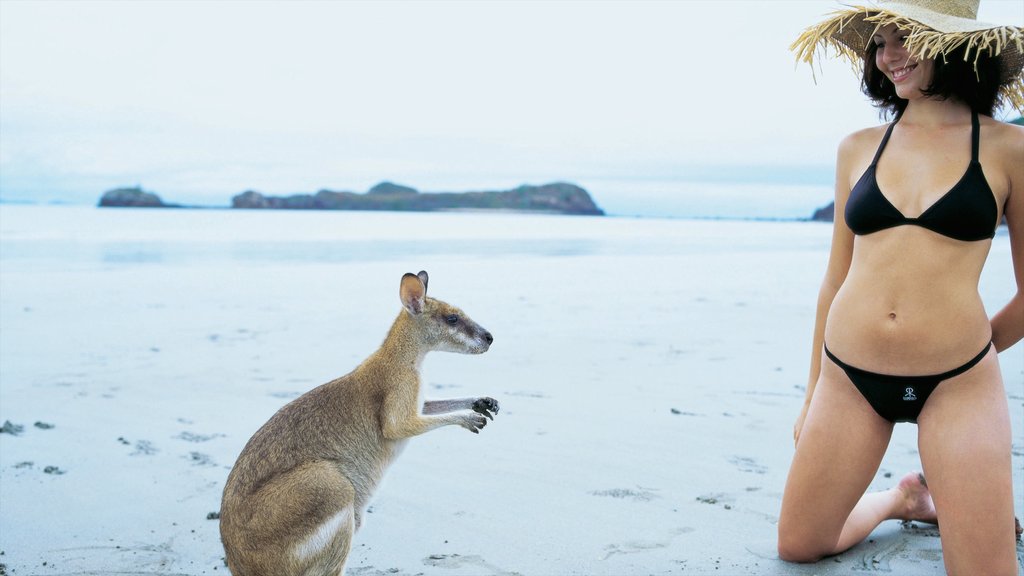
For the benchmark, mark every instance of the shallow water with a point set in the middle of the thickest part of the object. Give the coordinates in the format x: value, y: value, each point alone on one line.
x: 87, y: 236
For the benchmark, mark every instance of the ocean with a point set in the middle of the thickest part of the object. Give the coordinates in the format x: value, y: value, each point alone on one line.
x: 86, y: 236
x: 718, y: 193
x: 753, y: 200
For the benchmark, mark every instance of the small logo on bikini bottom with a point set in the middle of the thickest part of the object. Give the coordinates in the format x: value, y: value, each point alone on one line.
x: 909, y: 396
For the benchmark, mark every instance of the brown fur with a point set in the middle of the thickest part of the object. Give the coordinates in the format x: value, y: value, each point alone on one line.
x: 298, y: 491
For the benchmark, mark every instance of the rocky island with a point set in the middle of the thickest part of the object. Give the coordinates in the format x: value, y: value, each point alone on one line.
x: 132, y: 198
x: 559, y: 197
x: 556, y: 198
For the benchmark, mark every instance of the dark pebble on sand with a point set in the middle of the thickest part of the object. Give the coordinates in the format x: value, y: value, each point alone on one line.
x: 11, y: 428
x: 213, y: 516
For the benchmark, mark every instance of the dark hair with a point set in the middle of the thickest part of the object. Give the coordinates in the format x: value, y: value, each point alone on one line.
x: 954, y: 77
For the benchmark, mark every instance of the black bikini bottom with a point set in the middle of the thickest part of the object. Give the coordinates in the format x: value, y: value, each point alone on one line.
x: 899, y: 398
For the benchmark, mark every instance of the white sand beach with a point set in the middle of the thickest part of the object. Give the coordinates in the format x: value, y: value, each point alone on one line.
x: 649, y: 372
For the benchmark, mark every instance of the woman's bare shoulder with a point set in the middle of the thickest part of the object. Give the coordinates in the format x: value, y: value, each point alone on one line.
x: 857, y: 148
x: 1005, y: 132
x: 1002, y: 141
x: 863, y: 140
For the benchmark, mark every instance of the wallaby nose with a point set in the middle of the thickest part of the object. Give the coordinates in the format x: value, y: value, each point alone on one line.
x: 488, y: 337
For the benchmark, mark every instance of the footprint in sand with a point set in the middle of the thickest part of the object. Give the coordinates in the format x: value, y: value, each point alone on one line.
x: 193, y: 437
x: 719, y: 498
x: 880, y: 559
x: 142, y: 447
x: 635, y: 546
x: 200, y: 459
x: 477, y: 563
x: 745, y: 464
x: 625, y: 493
x: 373, y: 571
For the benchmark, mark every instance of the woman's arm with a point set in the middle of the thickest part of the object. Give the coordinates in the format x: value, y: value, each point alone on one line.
x: 838, y: 265
x: 1008, y: 323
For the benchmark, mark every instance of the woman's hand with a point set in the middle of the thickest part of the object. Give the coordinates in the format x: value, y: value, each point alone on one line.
x: 799, y: 423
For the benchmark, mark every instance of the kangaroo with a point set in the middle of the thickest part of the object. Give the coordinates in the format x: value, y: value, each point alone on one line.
x: 301, y: 485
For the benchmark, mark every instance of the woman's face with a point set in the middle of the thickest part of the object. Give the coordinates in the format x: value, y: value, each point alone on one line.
x: 910, y: 75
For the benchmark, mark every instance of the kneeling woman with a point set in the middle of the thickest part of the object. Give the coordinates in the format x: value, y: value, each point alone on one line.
x: 901, y: 333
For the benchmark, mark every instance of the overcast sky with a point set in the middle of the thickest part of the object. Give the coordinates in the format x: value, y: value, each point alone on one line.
x: 198, y: 101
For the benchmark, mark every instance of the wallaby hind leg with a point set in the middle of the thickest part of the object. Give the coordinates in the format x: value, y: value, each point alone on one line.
x: 323, y: 551
x: 311, y: 535
x: 329, y: 554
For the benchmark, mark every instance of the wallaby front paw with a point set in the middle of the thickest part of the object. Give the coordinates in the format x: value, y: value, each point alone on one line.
x: 473, y: 422
x: 486, y: 406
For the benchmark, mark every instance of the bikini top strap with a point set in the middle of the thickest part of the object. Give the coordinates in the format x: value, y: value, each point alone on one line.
x: 885, y: 140
x: 975, y: 135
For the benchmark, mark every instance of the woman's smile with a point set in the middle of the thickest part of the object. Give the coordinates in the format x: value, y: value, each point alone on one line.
x: 900, y: 74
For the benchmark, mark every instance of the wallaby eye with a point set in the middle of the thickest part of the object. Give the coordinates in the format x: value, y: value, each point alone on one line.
x: 452, y: 319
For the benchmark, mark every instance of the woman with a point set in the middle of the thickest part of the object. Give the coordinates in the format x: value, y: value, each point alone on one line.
x: 901, y: 333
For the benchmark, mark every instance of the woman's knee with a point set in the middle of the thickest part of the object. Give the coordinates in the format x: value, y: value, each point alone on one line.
x: 793, y: 547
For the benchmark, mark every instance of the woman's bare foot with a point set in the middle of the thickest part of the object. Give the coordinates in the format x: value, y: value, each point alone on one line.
x: 918, y: 500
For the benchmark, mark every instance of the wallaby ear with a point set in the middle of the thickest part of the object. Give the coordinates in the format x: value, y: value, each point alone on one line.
x: 412, y: 291
x: 423, y: 278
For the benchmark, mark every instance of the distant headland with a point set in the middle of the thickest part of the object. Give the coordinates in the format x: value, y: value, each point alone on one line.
x: 557, y: 197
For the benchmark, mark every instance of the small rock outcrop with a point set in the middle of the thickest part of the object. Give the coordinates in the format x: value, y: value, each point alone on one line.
x: 825, y: 213
x: 132, y: 198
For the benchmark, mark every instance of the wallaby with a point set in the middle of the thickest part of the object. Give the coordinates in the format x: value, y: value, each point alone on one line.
x: 299, y: 489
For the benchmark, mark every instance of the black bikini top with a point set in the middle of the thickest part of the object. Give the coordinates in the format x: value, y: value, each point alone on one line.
x: 967, y: 212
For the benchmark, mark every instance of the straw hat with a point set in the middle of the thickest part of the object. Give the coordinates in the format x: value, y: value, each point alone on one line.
x: 936, y: 27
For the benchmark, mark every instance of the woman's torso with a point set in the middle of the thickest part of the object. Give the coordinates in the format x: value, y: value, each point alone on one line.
x: 910, y: 304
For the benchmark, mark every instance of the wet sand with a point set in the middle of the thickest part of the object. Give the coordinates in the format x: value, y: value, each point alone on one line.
x: 649, y: 373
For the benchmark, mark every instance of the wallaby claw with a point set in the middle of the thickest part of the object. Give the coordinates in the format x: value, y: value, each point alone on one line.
x: 474, y: 422
x: 486, y: 406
